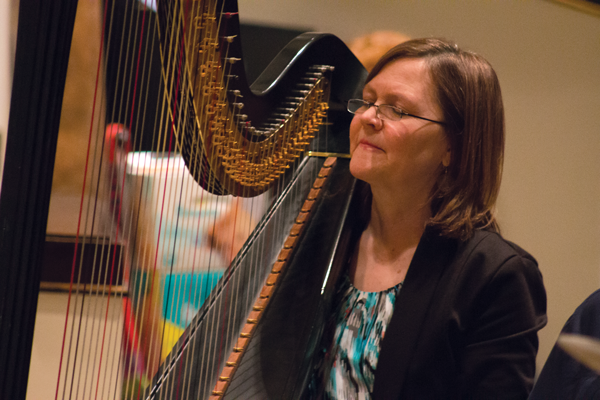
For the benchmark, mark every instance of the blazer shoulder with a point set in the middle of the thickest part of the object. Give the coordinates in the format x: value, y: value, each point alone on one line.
x: 492, y: 246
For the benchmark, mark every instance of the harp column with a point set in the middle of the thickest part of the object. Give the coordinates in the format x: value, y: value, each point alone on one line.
x: 43, y: 43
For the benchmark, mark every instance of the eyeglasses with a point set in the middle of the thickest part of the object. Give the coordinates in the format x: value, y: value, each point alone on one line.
x: 383, y: 111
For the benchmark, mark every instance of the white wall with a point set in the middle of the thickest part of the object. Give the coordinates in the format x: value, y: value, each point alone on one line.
x: 548, y: 59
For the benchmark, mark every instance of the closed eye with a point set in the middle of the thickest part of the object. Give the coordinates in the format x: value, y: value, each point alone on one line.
x: 396, y: 111
x: 393, y: 113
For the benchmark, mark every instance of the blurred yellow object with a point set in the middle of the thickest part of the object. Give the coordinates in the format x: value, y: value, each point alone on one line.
x: 172, y: 333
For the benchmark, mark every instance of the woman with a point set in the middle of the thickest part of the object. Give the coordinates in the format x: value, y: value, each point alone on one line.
x: 436, y: 304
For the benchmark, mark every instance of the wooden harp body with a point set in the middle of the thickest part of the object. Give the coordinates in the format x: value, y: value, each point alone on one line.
x: 235, y: 139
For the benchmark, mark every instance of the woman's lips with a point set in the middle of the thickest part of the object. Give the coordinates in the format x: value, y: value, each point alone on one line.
x: 368, y: 146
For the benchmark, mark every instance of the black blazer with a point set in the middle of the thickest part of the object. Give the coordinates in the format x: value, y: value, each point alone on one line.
x: 465, y: 322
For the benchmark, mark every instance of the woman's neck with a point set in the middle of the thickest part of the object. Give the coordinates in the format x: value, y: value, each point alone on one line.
x: 398, y: 218
x: 389, y: 241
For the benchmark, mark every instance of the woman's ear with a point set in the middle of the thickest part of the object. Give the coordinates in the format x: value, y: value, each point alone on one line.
x: 447, y: 158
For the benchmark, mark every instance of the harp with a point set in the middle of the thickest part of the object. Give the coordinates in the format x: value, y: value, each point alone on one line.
x: 256, y: 347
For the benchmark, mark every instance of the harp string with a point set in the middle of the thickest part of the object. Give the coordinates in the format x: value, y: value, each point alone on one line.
x: 136, y: 80
x: 175, y: 298
x: 132, y: 326
x: 118, y: 226
x: 174, y: 385
x: 118, y: 219
x: 141, y: 234
x: 82, y: 308
x: 139, y: 237
x: 75, y: 263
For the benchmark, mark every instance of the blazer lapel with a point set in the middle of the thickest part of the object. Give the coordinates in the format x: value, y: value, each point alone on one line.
x: 431, y: 258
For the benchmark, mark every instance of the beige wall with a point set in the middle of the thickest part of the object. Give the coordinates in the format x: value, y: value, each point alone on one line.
x: 97, y: 336
x: 548, y: 59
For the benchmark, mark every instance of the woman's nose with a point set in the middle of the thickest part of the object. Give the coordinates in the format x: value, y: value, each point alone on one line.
x: 371, y: 117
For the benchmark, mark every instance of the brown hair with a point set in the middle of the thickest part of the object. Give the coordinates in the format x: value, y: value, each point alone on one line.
x: 469, y: 95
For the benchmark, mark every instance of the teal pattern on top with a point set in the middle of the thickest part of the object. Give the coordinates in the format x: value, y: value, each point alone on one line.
x: 361, y: 321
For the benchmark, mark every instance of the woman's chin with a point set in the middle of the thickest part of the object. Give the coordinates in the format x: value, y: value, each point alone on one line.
x: 361, y: 169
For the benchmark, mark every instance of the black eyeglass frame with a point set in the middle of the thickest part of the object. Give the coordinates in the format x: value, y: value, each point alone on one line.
x: 380, y: 115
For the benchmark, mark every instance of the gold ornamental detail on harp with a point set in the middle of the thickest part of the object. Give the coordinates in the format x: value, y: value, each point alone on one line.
x: 242, y: 155
x: 259, y: 163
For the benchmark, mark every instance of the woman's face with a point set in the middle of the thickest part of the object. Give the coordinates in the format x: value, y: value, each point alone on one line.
x: 406, y: 154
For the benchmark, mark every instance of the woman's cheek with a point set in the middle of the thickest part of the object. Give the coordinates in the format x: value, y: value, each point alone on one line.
x: 354, y: 129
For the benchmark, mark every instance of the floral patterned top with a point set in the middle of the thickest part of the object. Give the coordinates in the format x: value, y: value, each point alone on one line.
x: 361, y: 321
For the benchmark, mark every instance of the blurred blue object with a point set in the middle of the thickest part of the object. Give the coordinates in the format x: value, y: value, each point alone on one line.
x: 184, y: 294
